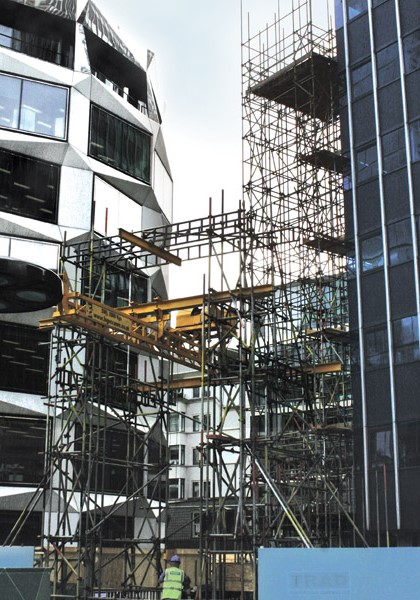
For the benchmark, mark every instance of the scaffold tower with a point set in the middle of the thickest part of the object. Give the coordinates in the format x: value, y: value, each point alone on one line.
x: 268, y: 351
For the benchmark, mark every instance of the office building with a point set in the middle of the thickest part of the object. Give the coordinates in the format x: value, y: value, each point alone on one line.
x: 81, y: 155
x: 378, y: 52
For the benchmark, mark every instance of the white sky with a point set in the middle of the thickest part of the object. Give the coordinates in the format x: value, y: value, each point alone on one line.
x: 196, y: 74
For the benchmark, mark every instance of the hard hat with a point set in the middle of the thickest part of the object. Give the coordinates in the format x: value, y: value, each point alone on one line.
x: 175, y: 558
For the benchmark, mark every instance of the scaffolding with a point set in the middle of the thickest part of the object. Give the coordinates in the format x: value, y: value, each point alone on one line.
x: 272, y: 349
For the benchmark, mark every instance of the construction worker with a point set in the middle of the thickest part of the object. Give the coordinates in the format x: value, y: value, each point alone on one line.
x: 175, y: 582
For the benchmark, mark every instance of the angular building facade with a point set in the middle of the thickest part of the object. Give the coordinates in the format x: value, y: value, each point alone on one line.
x: 82, y: 156
x: 378, y: 50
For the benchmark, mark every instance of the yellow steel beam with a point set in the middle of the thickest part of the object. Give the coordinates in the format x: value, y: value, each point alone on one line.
x: 195, y: 301
x: 141, y: 243
x: 322, y: 368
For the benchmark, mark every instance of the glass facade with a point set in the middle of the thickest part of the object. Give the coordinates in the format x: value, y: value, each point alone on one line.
x: 378, y: 44
x: 29, y: 187
x: 119, y: 144
x: 33, y: 107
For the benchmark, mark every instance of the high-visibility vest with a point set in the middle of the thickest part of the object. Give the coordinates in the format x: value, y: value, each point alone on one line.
x: 173, y: 583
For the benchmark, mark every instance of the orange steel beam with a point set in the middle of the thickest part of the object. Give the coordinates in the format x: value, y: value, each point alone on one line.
x: 156, y: 250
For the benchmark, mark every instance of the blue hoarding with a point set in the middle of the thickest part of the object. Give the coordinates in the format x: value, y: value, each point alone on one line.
x: 338, y: 573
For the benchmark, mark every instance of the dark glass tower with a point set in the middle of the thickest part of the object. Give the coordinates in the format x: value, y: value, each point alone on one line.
x: 379, y: 58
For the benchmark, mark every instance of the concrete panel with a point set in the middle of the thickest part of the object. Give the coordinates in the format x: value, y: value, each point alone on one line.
x: 75, y: 198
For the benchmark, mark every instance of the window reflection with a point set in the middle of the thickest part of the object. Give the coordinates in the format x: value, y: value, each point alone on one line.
x: 388, y: 67
x: 356, y: 7
x: 381, y: 447
x: 366, y: 163
x: 412, y: 51
x: 409, y: 444
x: 372, y: 253
x: 393, y: 150
x: 415, y: 140
x: 361, y: 78
x: 399, y: 242
x: 33, y: 106
x: 406, y: 340
x: 376, y: 348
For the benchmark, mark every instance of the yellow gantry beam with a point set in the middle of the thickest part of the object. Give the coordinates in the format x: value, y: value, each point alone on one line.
x: 196, y: 301
x: 144, y: 327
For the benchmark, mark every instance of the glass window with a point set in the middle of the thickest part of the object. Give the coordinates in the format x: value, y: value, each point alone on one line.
x: 196, y: 489
x: 24, y: 34
x: 10, y: 92
x: 406, y: 340
x: 372, y: 253
x: 399, y: 242
x: 28, y: 187
x: 29, y: 533
x: 338, y: 14
x: 376, y: 348
x: 122, y: 368
x: 196, y: 456
x: 195, y: 524
x: 366, y: 163
x: 176, y: 423
x: 33, y: 106
x: 119, y: 144
x: 412, y: 51
x: 388, y: 66
x: 22, y: 445
x: 409, y: 444
x: 176, y: 489
x: 24, y: 356
x: 415, y: 140
x: 114, y: 286
x: 381, y: 447
x: 393, y: 150
x: 43, y: 109
x: 356, y: 8
x: 177, y: 455
x: 197, y: 422
x: 6, y: 36
x: 361, y: 78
